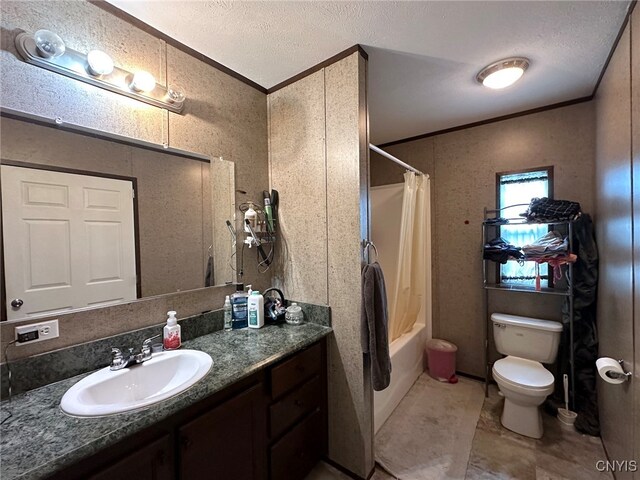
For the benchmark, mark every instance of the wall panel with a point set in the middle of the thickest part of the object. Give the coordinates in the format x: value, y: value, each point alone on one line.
x: 298, y: 172
x: 613, y: 230
x: 347, y: 204
x: 319, y: 156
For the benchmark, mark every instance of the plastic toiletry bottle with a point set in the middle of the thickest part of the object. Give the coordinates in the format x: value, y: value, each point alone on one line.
x: 255, y: 306
x: 252, y: 216
x: 227, y: 314
x: 171, y: 338
x: 239, y: 308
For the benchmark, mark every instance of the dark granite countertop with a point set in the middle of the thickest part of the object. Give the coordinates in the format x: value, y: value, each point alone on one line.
x: 39, y: 439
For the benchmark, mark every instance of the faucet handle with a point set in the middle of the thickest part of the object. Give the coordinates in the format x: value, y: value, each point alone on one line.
x: 116, y: 358
x: 146, y: 346
x: 147, y: 342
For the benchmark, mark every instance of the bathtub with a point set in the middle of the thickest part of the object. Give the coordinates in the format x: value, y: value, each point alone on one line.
x: 407, y: 363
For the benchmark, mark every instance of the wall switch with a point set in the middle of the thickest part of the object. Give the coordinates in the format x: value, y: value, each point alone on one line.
x: 37, y: 332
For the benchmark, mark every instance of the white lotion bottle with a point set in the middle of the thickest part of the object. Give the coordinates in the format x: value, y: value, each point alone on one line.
x: 255, y: 306
x: 171, y: 338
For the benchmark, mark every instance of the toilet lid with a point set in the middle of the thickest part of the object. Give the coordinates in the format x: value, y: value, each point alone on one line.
x: 523, y: 372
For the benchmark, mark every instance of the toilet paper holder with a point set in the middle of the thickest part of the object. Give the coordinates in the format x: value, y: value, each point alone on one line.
x: 619, y: 376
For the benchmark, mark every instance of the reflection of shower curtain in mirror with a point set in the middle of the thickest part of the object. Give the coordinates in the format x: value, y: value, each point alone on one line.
x: 413, y: 256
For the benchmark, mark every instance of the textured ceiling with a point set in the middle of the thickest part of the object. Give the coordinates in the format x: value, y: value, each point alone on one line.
x: 423, y: 56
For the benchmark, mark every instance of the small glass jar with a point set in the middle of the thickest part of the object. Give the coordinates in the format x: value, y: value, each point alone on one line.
x: 294, y: 315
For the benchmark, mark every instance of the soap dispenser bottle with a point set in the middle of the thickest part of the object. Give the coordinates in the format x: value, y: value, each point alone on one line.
x: 171, y: 338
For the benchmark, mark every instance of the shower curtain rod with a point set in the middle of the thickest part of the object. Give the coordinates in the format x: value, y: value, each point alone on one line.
x: 394, y: 159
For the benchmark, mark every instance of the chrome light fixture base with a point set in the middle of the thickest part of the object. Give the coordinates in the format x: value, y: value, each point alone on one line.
x: 508, y: 63
x: 74, y: 64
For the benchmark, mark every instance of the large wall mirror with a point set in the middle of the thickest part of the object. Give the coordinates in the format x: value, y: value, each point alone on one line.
x: 89, y: 222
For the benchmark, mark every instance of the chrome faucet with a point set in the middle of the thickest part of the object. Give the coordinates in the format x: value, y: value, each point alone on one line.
x: 120, y: 361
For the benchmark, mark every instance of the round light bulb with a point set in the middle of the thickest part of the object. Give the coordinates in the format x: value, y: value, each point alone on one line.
x: 49, y: 44
x: 99, y: 63
x: 503, y: 78
x: 175, y: 94
x: 143, y: 82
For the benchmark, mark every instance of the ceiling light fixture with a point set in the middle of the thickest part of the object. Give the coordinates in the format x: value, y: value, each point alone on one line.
x: 47, y: 50
x: 99, y: 63
x: 175, y: 94
x: 49, y: 44
x: 503, y: 73
x: 143, y: 82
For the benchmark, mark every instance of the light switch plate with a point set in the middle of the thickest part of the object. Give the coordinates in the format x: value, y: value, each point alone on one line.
x: 46, y: 331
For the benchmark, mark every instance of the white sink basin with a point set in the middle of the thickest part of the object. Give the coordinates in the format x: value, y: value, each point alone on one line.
x: 108, y: 392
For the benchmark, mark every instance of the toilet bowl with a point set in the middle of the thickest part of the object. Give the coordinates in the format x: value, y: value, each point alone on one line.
x: 524, y: 382
x: 525, y: 385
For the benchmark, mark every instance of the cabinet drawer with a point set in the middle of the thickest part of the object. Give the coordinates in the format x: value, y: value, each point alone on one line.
x: 152, y: 462
x: 294, y: 406
x: 293, y: 456
x: 296, y: 370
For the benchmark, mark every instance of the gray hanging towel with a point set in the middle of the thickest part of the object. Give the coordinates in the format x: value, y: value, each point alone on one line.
x: 374, y: 325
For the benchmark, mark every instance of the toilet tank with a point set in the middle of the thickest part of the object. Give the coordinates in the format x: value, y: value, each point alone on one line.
x: 524, y: 337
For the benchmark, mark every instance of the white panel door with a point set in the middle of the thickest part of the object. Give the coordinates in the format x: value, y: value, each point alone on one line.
x: 68, y: 241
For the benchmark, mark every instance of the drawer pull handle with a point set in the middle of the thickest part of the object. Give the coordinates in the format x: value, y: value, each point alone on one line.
x: 186, y: 443
x: 299, y: 403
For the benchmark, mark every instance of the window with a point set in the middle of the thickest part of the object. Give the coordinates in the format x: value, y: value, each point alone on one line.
x: 518, y: 188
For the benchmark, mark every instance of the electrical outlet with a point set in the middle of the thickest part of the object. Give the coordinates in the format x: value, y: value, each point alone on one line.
x: 37, y: 332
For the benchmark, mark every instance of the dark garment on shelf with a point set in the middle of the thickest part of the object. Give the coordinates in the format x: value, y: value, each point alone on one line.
x: 544, y: 210
x: 585, y: 334
x: 496, y: 221
x: 498, y: 250
x: 374, y: 328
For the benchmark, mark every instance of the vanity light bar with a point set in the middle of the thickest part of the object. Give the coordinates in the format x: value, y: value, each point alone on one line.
x: 74, y: 64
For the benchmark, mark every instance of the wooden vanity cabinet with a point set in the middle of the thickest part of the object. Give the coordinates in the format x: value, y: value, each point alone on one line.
x: 151, y: 462
x: 298, y: 414
x: 226, y: 442
x: 270, y: 426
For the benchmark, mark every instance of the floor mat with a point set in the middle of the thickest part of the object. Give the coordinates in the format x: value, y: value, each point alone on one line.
x: 408, y: 446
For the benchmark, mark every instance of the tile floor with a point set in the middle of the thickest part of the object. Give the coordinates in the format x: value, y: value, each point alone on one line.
x: 499, y: 454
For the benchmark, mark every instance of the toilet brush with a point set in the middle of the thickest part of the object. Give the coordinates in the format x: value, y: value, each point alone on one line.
x: 566, y: 416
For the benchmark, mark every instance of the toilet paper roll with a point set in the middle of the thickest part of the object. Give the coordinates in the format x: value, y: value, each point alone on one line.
x: 610, y: 370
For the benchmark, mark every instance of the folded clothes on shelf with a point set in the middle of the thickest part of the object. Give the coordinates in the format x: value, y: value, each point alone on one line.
x: 547, y: 210
x: 496, y: 221
x: 498, y: 250
x: 553, y: 244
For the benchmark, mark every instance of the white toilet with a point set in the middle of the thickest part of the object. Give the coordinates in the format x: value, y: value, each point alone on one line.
x: 524, y: 382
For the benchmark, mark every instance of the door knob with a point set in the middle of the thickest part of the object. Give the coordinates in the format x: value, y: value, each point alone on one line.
x: 16, y: 303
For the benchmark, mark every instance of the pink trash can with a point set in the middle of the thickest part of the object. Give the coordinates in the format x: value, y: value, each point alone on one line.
x: 441, y: 359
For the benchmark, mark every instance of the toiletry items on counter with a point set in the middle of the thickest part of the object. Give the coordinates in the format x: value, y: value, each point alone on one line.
x: 239, y: 308
x: 228, y: 320
x: 255, y: 307
x: 171, y: 338
x: 294, y: 315
x: 275, y: 305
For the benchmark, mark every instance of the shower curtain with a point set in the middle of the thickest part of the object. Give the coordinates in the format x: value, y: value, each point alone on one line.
x: 414, y: 265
